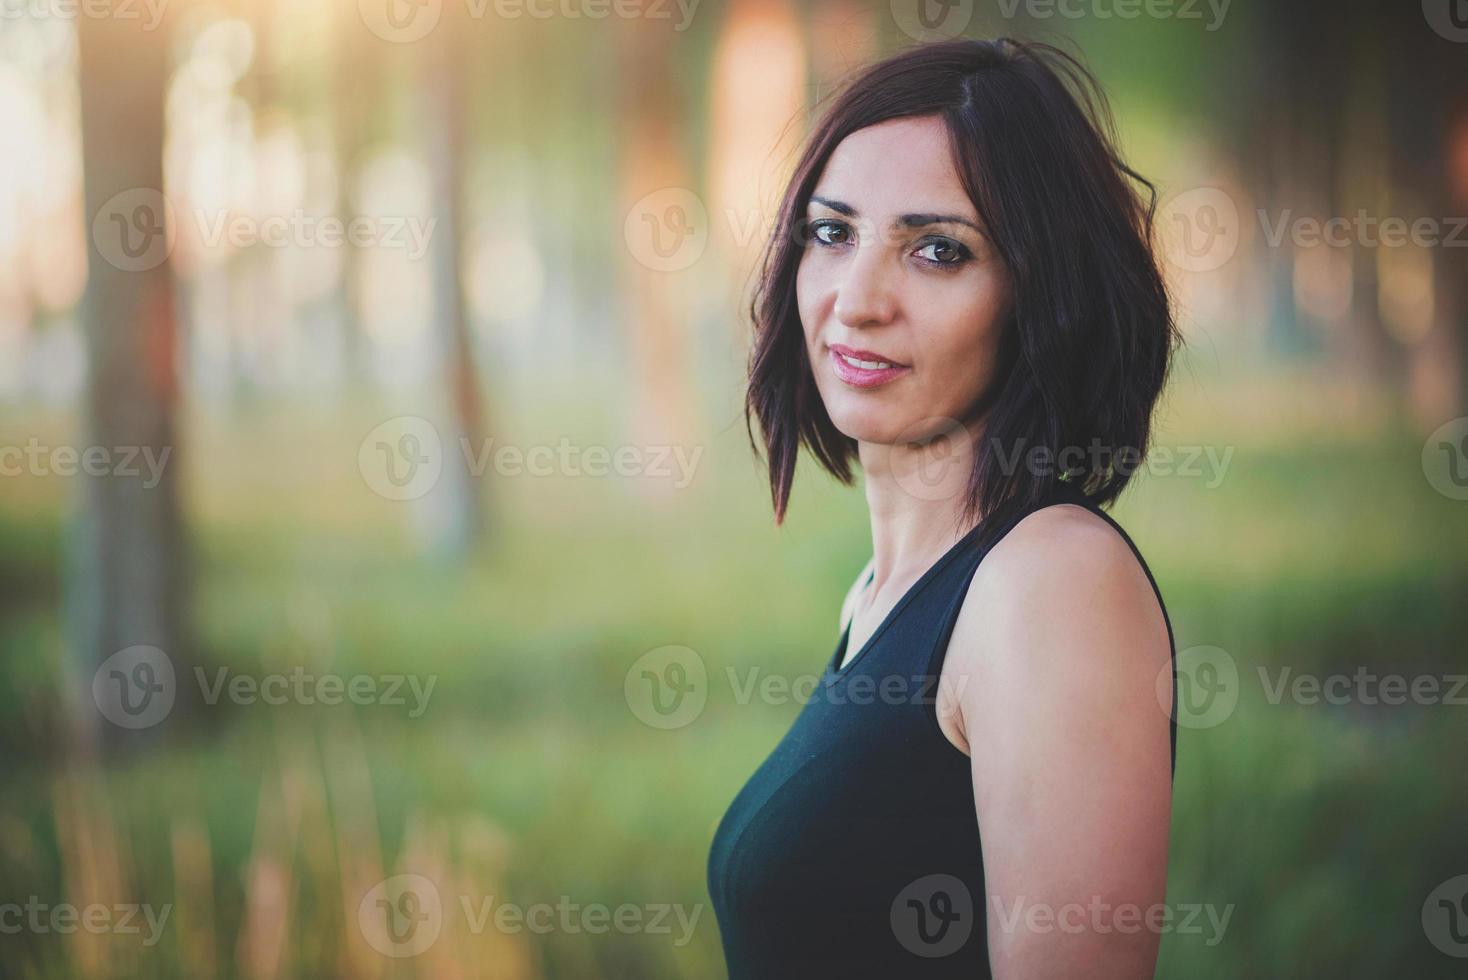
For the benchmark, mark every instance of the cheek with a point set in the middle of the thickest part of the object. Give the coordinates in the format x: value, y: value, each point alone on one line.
x: 961, y: 346
x: 808, y: 290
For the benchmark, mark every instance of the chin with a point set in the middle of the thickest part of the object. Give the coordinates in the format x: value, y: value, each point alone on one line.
x: 871, y: 422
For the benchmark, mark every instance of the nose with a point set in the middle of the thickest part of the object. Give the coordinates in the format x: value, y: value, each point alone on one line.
x: 865, y: 295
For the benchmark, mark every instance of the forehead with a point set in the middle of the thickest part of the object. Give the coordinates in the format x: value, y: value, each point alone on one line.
x: 895, y: 166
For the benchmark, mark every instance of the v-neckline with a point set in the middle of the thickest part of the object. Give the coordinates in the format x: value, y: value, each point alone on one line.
x: 835, y: 667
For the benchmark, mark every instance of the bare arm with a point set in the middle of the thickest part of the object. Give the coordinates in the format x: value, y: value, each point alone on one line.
x: 1060, y: 642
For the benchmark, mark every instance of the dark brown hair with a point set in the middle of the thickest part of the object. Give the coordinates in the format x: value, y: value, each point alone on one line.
x: 1085, y: 352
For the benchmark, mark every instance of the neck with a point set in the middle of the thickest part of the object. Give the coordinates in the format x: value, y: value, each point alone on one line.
x: 915, y: 493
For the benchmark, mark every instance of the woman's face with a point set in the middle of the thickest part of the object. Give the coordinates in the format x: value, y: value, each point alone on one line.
x: 897, y: 268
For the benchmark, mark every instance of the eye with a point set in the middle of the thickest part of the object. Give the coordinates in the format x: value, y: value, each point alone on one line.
x: 944, y: 251
x: 830, y: 232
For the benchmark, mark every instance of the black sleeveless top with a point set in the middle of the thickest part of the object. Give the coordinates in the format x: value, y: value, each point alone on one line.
x: 853, y: 851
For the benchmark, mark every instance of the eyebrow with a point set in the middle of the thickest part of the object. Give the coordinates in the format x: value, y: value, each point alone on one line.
x: 916, y: 220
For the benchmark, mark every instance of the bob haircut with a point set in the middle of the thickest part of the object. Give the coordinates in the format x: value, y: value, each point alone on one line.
x: 1084, y: 354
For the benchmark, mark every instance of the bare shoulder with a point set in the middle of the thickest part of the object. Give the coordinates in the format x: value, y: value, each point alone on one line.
x: 1065, y: 538
x: 1059, y: 617
x: 1059, y: 651
x: 1071, y: 567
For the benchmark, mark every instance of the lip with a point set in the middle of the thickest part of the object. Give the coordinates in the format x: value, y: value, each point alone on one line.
x: 863, y: 377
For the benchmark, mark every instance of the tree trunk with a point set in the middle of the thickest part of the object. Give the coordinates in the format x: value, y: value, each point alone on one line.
x: 457, y: 524
x: 670, y: 227
x: 127, y: 582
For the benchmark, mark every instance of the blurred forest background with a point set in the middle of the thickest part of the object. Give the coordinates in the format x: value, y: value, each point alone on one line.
x: 553, y: 211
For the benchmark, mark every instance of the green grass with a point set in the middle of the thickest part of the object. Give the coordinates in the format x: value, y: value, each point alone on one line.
x: 1323, y: 548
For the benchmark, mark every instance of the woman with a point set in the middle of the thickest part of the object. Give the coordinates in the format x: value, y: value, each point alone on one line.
x: 961, y: 294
